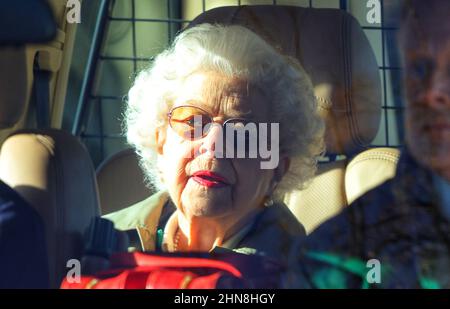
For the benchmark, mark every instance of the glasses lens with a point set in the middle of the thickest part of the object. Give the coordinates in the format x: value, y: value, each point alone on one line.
x: 189, y: 122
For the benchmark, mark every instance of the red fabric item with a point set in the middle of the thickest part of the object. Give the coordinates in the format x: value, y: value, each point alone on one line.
x: 153, y: 271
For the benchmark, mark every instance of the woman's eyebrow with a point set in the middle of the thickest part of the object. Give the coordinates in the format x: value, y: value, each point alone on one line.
x: 212, y: 110
x: 197, y: 103
x: 240, y: 114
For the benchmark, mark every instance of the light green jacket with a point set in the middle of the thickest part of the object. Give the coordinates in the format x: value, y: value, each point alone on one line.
x: 270, y: 234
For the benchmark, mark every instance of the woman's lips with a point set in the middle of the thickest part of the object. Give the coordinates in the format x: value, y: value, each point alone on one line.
x: 209, y: 179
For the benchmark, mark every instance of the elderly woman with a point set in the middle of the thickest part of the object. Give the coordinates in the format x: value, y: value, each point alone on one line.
x: 178, y: 114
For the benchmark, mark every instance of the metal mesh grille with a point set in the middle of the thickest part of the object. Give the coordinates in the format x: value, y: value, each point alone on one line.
x: 137, y: 30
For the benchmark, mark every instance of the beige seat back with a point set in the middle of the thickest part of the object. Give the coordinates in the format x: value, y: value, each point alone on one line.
x: 121, y: 182
x: 53, y: 172
x: 340, y: 183
x: 322, y: 199
x: 369, y: 169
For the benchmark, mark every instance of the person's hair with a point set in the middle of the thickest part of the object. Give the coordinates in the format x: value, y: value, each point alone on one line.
x: 415, y: 15
x: 415, y: 8
x: 408, y: 12
x: 233, y: 51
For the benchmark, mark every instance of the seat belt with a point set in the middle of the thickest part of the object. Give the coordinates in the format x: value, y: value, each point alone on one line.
x: 41, y: 94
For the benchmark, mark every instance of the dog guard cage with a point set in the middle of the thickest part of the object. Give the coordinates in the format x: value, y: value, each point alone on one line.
x: 127, y: 34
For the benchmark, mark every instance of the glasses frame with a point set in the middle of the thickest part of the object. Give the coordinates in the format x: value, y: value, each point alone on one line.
x: 170, y: 113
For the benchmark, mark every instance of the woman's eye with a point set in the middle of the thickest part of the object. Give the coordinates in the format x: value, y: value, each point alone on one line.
x: 190, y: 121
x: 193, y: 121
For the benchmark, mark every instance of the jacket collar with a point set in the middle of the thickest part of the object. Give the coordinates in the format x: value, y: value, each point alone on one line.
x: 413, y: 182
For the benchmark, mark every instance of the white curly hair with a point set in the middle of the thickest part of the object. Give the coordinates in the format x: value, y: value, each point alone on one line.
x: 233, y: 51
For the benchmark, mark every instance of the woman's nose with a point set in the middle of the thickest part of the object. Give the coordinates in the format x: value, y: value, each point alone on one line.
x: 212, y: 143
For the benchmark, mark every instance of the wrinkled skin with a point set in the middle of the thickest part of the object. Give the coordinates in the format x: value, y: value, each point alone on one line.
x: 208, y: 215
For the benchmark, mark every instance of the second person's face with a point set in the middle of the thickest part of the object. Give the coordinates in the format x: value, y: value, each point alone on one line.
x: 427, y: 81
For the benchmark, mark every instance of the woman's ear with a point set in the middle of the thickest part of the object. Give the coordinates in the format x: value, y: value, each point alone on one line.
x: 160, y: 137
x: 282, y: 168
x: 279, y: 172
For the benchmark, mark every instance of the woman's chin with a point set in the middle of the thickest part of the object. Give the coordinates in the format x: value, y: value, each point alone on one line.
x: 208, y: 211
x: 205, y: 201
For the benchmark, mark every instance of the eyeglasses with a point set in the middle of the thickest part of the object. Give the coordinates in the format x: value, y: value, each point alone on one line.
x: 192, y: 122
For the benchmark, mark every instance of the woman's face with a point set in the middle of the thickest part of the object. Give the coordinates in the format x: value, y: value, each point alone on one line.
x: 190, y: 169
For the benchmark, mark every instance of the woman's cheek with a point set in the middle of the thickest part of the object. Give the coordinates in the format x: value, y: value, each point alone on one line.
x: 176, y: 160
x: 248, y: 189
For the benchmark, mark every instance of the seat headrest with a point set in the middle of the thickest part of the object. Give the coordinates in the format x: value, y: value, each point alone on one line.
x: 114, y: 195
x: 53, y: 172
x: 22, y: 22
x: 26, y: 21
x: 332, y: 47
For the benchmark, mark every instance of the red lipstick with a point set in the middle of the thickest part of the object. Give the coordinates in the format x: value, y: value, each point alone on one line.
x: 209, y: 179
